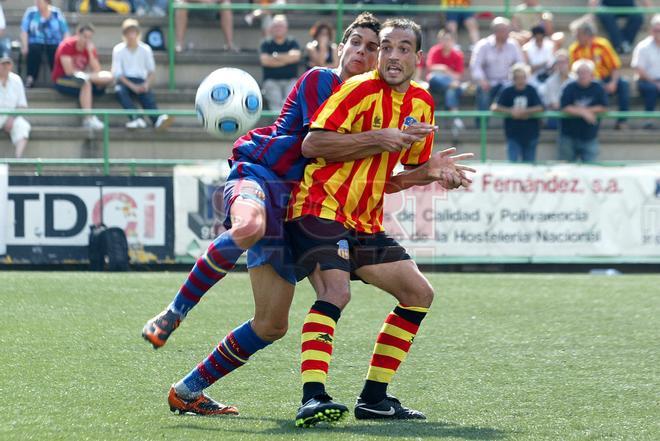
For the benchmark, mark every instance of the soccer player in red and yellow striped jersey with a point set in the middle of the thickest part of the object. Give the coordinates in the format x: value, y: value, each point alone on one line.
x: 336, y: 221
x: 600, y: 51
x: 352, y: 192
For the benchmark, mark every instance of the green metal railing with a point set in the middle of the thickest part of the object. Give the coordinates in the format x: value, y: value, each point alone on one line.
x: 106, y: 162
x: 340, y: 8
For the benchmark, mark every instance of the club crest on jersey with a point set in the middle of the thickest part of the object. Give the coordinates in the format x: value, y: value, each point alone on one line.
x: 342, y: 249
x: 409, y: 121
x: 376, y: 123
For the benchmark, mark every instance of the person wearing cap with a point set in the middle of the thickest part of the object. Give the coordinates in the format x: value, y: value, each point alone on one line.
x: 133, y: 68
x: 77, y: 72
x: 12, y: 96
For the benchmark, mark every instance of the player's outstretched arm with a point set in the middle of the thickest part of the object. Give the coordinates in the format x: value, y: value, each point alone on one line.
x: 441, y: 167
x: 342, y: 147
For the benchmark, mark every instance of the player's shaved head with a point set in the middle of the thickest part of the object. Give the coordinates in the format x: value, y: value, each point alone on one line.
x: 364, y: 20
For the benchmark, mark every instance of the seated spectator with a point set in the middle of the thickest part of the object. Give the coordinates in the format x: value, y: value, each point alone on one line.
x: 5, y: 42
x: 77, y: 71
x: 607, y: 62
x: 550, y: 91
x: 519, y: 101
x: 262, y: 15
x: 134, y: 68
x: 523, y: 20
x: 584, y: 99
x: 445, y: 66
x: 538, y: 53
x: 491, y: 61
x: 12, y: 96
x: 622, y: 38
x: 321, y: 51
x: 456, y: 19
x: 226, y: 24
x: 42, y: 29
x: 279, y: 56
x: 153, y: 8
x: 646, y: 62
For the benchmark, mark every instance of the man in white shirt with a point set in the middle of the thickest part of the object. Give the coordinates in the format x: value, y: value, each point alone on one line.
x: 646, y: 62
x: 12, y: 96
x: 538, y: 53
x: 133, y: 67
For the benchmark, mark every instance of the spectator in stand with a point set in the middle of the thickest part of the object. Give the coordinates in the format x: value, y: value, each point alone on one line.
x: 445, y: 66
x: 42, y: 29
x: 607, y: 62
x: 279, y: 57
x: 539, y: 54
x: 519, y: 101
x: 226, y: 24
x: 584, y: 99
x: 12, y: 96
x: 133, y: 68
x: 646, y: 62
x: 5, y: 42
x: 153, y: 8
x: 522, y: 21
x: 550, y: 90
x: 456, y: 19
x: 491, y: 61
x: 77, y: 71
x: 622, y: 38
x: 322, y: 50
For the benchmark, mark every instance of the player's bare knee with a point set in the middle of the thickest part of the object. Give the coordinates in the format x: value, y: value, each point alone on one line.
x: 270, y: 330
x: 248, y: 230
x: 421, y: 295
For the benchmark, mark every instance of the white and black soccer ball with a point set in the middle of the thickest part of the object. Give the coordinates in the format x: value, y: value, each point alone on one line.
x: 228, y: 102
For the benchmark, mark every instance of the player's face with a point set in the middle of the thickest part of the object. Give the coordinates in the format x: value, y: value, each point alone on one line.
x: 359, y: 54
x: 398, y: 59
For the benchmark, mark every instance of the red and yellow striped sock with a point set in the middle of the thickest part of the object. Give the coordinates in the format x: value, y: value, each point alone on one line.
x: 392, y: 346
x: 317, y: 337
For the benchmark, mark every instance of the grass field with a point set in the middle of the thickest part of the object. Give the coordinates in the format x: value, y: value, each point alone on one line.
x: 519, y: 357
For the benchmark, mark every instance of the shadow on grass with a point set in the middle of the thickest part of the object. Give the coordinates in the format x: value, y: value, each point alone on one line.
x: 438, y: 429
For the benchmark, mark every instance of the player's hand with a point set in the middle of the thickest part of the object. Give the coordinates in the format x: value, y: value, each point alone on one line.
x: 395, y: 140
x: 443, y: 167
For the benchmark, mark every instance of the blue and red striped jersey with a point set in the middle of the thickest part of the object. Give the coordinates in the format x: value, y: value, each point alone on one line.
x: 278, y: 146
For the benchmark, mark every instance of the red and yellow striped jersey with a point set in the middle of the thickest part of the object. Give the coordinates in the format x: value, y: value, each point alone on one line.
x: 600, y: 52
x: 456, y: 3
x: 352, y: 192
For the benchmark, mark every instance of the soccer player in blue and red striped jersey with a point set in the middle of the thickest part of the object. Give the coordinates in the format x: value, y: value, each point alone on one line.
x: 266, y: 163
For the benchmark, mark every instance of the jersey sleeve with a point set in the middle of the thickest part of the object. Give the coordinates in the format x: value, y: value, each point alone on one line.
x: 316, y: 87
x: 340, y: 110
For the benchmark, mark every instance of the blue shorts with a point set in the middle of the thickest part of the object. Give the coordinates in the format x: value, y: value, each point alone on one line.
x: 458, y: 17
x: 273, y: 248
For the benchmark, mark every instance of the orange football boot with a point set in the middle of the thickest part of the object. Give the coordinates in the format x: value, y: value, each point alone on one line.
x: 158, y: 329
x: 201, y: 405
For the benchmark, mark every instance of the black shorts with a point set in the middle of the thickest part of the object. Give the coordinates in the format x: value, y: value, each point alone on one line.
x: 329, y: 244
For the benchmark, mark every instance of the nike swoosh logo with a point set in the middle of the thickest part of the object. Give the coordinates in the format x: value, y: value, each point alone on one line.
x: 379, y: 412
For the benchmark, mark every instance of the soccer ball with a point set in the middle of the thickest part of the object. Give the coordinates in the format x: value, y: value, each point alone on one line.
x: 228, y: 102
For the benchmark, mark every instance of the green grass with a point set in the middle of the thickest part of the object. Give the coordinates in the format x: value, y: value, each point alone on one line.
x: 526, y: 357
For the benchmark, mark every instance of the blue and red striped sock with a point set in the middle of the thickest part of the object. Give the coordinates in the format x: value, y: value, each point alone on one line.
x: 213, y: 265
x: 231, y: 353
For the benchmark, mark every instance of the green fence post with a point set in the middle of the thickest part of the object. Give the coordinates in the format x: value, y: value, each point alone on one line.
x: 170, y: 45
x: 507, y: 8
x: 38, y: 167
x: 340, y: 21
x: 106, y: 144
x: 483, y: 122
